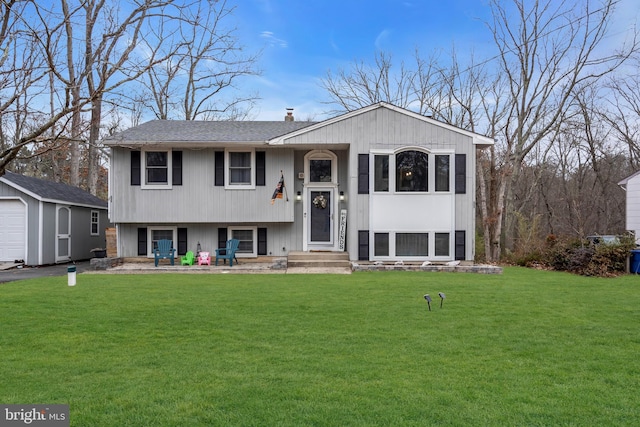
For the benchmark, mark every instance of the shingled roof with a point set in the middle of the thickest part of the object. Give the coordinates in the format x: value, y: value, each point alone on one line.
x: 191, y: 131
x: 50, y: 191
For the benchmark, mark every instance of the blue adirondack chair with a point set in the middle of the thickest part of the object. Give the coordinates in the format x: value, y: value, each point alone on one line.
x: 164, y: 250
x: 228, y: 252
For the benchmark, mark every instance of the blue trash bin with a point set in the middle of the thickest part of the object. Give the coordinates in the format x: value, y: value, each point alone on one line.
x: 635, y: 261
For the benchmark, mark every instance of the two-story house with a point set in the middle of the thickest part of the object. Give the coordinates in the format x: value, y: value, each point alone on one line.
x: 381, y: 182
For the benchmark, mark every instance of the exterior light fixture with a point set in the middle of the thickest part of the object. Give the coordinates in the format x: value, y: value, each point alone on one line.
x: 342, y: 196
x: 428, y: 299
x: 298, y: 196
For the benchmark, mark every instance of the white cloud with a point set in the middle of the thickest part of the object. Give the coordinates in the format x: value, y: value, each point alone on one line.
x: 272, y: 40
x: 382, y: 41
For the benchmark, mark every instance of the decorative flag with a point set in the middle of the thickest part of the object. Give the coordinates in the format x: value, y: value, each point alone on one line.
x: 277, y: 194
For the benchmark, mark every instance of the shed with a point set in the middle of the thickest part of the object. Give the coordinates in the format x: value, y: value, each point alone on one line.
x: 44, y: 222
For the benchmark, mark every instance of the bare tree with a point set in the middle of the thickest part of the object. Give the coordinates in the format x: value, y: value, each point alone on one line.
x: 21, y: 74
x: 364, y: 85
x: 623, y: 114
x: 546, y: 50
x: 78, y: 55
x: 198, y: 80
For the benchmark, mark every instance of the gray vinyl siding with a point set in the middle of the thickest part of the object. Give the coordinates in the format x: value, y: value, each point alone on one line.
x: 41, y: 229
x: 48, y: 237
x: 198, y: 199
x: 81, y: 239
x: 385, y: 129
x: 379, y: 129
x: 202, y: 207
x: 281, y: 237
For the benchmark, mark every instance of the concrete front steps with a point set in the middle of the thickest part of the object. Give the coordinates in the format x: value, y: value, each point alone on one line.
x: 318, y: 262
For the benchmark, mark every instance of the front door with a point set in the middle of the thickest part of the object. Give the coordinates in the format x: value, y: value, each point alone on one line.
x: 63, y: 234
x: 320, y: 217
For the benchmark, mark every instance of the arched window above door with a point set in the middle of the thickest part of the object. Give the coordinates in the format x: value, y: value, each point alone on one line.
x: 321, y: 167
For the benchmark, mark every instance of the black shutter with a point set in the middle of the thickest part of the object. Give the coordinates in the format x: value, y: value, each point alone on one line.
x: 260, y: 168
x: 363, y: 174
x: 219, y: 168
x: 142, y: 240
x: 262, y: 241
x: 135, y: 168
x: 461, y: 173
x: 222, y: 237
x: 182, y: 241
x: 176, y: 177
x: 461, y: 245
x: 363, y: 245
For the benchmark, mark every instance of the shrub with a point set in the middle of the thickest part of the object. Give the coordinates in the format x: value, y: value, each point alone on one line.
x: 584, y: 258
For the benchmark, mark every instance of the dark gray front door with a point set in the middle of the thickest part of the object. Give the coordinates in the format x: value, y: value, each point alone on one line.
x: 321, y: 217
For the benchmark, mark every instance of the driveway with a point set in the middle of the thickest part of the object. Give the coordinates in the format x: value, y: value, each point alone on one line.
x: 23, y: 273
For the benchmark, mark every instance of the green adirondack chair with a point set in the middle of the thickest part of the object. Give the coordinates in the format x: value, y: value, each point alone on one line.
x: 187, y: 259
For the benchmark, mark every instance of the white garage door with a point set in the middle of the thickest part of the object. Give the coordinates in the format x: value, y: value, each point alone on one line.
x: 13, y: 220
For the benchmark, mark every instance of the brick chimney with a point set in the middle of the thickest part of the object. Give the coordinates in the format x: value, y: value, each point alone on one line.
x: 289, y: 116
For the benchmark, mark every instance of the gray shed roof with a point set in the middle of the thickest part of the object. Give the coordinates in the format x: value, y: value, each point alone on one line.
x: 45, y: 190
x: 191, y: 131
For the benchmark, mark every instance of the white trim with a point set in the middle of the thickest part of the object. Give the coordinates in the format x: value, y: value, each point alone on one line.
x: 143, y: 170
x: 392, y: 246
x: 227, y: 165
x: 321, y: 155
x: 306, y: 200
x: 40, y: 232
x: 306, y: 208
x: 477, y: 139
x: 254, y: 238
x: 431, y: 172
x: 97, y: 233
x: 26, y: 224
x: 46, y: 199
x: 150, y: 229
x: 59, y: 236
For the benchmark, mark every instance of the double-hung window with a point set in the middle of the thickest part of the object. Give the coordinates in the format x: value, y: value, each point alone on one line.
x: 95, y: 223
x: 241, y: 164
x: 442, y: 174
x: 156, y: 169
x: 248, y: 242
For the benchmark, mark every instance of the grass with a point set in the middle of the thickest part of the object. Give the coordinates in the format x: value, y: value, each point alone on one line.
x: 523, y: 348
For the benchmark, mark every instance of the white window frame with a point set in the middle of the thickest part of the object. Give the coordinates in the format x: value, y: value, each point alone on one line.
x: 432, y: 153
x: 143, y: 167
x: 150, y: 231
x: 96, y: 222
x: 321, y: 155
x: 372, y: 171
x: 432, y: 167
x: 227, y: 174
x: 254, y: 232
x: 392, y: 245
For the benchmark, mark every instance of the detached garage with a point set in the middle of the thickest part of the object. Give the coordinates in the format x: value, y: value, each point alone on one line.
x: 44, y: 222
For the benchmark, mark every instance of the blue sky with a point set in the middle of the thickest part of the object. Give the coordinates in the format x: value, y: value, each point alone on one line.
x: 303, y: 39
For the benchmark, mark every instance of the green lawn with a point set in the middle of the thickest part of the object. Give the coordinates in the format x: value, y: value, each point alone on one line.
x: 524, y: 348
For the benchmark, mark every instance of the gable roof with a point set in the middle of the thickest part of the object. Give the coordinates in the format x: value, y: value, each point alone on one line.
x: 54, y: 192
x: 198, y: 132
x: 479, y: 140
x: 623, y: 183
